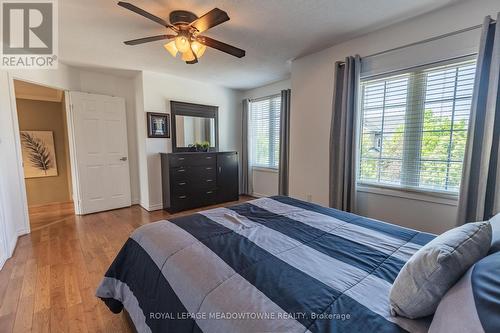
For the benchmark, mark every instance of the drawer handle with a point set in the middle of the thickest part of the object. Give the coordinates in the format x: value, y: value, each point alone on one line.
x: 210, y: 192
x: 182, y: 196
x: 208, y: 157
x: 181, y: 170
x: 209, y: 180
x: 181, y: 158
x: 208, y: 168
x: 182, y: 183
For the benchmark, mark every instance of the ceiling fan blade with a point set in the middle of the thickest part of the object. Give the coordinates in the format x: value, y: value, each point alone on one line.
x: 148, y: 39
x: 214, y: 17
x: 221, y: 46
x: 144, y: 13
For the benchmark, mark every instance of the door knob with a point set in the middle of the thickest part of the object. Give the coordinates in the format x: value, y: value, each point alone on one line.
x: 123, y: 159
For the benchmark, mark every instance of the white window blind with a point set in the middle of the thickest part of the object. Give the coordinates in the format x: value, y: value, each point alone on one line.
x: 265, y: 130
x: 414, y: 127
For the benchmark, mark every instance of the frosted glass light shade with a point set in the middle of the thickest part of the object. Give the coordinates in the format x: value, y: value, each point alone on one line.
x: 171, y: 48
x: 188, y: 55
x: 182, y: 43
x: 198, y: 48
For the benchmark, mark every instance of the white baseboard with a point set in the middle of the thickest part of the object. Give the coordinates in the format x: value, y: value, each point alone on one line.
x: 3, y: 259
x: 135, y: 201
x: 259, y: 195
x: 11, y: 246
x: 23, y: 231
x: 155, y: 207
x: 151, y: 208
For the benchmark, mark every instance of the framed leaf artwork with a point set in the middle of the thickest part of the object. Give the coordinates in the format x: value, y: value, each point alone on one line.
x: 39, y: 154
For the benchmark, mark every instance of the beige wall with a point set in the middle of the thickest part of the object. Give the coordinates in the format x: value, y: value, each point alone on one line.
x: 47, y: 116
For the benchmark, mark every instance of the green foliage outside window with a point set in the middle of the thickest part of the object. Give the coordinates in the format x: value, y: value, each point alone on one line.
x: 439, y: 161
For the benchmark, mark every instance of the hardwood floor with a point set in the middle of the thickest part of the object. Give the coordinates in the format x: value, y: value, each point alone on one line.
x: 44, y: 215
x: 49, y: 283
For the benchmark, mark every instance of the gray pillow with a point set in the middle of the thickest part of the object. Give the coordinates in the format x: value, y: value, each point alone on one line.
x: 433, y: 269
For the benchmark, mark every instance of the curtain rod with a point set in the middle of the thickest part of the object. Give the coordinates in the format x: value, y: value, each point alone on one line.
x: 431, y: 39
x: 257, y: 99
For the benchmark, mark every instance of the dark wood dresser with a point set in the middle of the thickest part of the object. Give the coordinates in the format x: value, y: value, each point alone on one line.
x: 191, y: 180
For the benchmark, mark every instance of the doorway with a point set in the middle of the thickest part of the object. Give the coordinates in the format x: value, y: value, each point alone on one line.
x: 43, y: 131
x: 74, y: 152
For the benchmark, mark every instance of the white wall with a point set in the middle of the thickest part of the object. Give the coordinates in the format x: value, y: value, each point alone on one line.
x: 267, y: 90
x: 157, y: 92
x: 312, y: 91
x: 64, y: 78
x: 265, y: 181
x: 141, y: 131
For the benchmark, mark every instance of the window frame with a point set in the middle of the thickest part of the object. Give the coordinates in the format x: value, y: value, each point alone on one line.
x: 272, y: 136
x: 405, y: 189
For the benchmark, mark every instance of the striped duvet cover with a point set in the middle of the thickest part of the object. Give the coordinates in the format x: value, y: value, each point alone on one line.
x: 269, y: 265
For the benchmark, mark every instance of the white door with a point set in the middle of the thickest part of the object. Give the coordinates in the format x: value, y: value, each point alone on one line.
x: 100, y: 152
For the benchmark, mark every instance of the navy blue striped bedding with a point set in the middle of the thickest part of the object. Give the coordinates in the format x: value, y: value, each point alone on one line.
x: 269, y: 265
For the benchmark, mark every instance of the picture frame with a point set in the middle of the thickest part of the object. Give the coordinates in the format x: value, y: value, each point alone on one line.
x: 39, y: 154
x: 158, y: 125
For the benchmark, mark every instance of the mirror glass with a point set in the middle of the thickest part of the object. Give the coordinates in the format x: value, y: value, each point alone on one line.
x: 191, y: 130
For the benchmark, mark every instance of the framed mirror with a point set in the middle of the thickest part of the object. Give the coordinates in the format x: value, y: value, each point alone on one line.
x: 194, y: 124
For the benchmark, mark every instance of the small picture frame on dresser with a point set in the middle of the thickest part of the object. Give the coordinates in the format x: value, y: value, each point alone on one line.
x: 158, y: 125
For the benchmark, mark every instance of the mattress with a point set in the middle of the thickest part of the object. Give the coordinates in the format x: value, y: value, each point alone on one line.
x: 268, y: 265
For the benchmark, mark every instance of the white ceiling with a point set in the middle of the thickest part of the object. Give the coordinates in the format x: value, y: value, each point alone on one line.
x: 273, y: 32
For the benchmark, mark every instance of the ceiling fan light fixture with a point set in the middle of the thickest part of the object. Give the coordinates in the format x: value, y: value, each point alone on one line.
x: 187, y: 28
x: 198, y: 48
x: 171, y: 48
x: 182, y: 43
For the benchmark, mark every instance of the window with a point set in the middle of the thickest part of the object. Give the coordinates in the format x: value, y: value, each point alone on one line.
x: 265, y: 131
x: 414, y: 128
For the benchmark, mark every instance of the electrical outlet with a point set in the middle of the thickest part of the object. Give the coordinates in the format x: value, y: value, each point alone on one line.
x: 309, y: 197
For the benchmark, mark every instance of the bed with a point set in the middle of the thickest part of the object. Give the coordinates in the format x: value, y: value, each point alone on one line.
x: 268, y: 265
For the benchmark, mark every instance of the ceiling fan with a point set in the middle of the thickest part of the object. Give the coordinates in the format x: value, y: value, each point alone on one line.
x: 187, y: 28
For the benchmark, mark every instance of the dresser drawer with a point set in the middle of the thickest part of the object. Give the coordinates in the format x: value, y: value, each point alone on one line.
x: 192, y: 200
x: 194, y: 159
x: 195, y: 173
x: 190, y: 185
